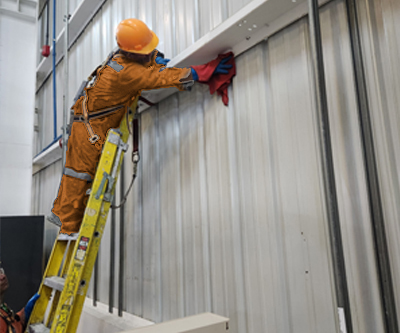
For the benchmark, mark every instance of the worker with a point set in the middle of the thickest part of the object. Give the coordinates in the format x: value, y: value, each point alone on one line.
x: 135, y: 66
x: 11, y: 322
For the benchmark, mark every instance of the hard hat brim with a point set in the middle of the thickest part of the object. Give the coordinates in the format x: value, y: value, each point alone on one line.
x: 148, y: 48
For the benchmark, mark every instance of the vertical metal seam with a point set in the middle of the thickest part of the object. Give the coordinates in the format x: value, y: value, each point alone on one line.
x: 372, y: 180
x: 154, y: 17
x: 181, y: 252
x: 95, y: 282
x: 141, y: 220
x: 225, y: 10
x: 270, y: 128
x: 160, y: 276
x: 206, y: 244
x: 196, y: 20
x: 121, y: 245
x: 112, y: 260
x: 173, y: 28
x: 327, y: 163
x: 54, y: 73
x: 66, y: 83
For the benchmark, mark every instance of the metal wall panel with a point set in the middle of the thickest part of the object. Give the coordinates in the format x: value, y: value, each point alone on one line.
x: 164, y: 27
x: 185, y: 28
x: 234, y: 6
x: 232, y: 210
x: 35, y: 194
x: 134, y: 241
x: 49, y: 179
x: 296, y: 221
x: 172, y: 295
x: 44, y: 100
x: 209, y: 19
x: 380, y: 36
x: 146, y: 13
x: 73, y: 5
x: 349, y: 166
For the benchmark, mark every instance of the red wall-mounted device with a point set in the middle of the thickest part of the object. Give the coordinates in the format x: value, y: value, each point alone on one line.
x: 45, y: 50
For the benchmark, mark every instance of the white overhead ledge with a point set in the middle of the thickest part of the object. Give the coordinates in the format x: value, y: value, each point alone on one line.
x: 47, y: 157
x: 249, y: 26
x: 18, y: 14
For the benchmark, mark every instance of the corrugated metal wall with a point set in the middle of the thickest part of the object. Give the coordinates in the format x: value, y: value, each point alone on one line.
x: 227, y: 214
x: 380, y: 22
x: 350, y: 174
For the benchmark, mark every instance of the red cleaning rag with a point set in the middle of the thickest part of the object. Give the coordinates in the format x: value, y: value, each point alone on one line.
x: 218, y: 82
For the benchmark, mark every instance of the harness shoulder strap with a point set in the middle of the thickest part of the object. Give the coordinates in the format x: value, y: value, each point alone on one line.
x: 10, y: 328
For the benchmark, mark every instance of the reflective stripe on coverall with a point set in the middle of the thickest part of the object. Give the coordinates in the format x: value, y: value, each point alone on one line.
x: 116, y: 84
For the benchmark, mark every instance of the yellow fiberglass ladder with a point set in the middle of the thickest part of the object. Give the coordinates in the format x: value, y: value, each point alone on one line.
x: 71, y: 262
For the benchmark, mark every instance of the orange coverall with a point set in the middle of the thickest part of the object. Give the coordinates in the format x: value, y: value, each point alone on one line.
x: 115, y: 88
x: 7, y: 321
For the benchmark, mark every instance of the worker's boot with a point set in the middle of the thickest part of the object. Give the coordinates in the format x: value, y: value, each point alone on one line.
x: 53, y: 218
x: 73, y: 236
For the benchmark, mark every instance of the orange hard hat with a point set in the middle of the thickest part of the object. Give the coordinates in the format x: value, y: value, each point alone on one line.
x: 134, y: 36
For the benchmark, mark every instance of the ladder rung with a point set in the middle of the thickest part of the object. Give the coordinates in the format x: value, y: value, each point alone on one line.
x: 55, y: 282
x: 38, y: 328
x: 67, y: 238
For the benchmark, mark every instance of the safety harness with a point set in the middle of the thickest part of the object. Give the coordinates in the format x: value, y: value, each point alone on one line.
x: 82, y: 92
x: 101, y: 113
x: 9, y: 318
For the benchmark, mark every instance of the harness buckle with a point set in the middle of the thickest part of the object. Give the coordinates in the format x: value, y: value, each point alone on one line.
x: 93, y: 138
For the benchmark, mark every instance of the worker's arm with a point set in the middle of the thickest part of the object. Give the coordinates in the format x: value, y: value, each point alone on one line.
x: 222, y: 67
x: 25, y: 313
x: 151, y: 77
x: 158, y: 76
x: 22, y: 317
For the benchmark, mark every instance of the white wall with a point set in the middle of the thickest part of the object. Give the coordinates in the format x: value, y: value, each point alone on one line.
x: 17, y: 102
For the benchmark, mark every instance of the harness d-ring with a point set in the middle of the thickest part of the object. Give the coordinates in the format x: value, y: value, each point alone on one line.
x: 94, y: 138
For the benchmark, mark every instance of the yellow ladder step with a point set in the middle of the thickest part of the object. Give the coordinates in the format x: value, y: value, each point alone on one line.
x: 38, y: 328
x: 74, y: 237
x: 55, y: 282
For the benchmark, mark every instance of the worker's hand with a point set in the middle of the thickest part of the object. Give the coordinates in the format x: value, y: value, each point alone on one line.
x: 195, y: 77
x: 222, y: 68
x: 29, y: 306
x: 162, y: 61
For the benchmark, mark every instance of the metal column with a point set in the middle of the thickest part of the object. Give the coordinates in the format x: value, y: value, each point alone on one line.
x: 112, y: 259
x: 95, y: 280
x: 374, y: 197
x: 339, y: 268
x: 121, y: 245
